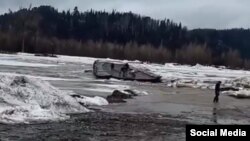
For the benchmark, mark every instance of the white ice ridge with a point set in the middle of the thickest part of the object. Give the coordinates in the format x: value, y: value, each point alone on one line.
x: 24, y: 99
x: 8, y: 62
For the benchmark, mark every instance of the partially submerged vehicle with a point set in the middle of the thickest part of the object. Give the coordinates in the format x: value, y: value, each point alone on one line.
x: 120, y: 70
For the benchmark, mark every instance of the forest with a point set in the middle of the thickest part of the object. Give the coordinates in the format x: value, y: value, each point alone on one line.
x: 120, y: 35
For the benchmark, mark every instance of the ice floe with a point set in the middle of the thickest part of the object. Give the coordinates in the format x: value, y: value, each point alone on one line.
x: 239, y: 94
x: 23, y: 64
x: 173, y: 75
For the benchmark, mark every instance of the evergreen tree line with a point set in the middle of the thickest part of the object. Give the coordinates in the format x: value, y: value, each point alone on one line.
x: 120, y: 35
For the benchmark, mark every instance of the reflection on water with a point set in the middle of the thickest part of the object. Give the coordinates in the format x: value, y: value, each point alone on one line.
x: 215, y: 112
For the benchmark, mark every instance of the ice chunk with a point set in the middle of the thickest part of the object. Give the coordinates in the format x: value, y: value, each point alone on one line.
x: 240, y: 82
x: 139, y: 92
x: 239, y: 94
x: 24, y: 99
x: 88, y: 101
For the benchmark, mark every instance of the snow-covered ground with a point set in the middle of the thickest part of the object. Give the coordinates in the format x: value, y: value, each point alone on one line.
x: 24, y: 99
x: 36, y: 99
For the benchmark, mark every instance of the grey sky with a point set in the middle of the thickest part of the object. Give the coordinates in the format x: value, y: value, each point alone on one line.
x: 218, y: 14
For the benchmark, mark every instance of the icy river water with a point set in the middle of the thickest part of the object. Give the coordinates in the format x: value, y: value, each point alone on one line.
x: 162, y: 114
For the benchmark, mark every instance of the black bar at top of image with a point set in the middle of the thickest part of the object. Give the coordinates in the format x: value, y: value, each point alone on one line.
x: 217, y: 132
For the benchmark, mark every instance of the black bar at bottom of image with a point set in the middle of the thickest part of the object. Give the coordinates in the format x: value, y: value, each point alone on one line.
x: 217, y: 132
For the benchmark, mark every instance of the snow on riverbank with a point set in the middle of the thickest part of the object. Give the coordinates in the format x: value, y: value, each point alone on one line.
x: 24, y: 99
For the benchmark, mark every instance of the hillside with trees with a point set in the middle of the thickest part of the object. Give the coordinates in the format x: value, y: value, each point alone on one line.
x: 45, y: 30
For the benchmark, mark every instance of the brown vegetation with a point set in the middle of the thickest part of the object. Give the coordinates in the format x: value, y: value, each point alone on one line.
x: 189, y: 54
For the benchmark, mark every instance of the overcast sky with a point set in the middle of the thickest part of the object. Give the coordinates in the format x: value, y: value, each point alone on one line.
x: 220, y: 14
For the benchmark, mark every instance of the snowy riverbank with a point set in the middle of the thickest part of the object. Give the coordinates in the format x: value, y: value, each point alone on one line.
x: 24, y: 99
